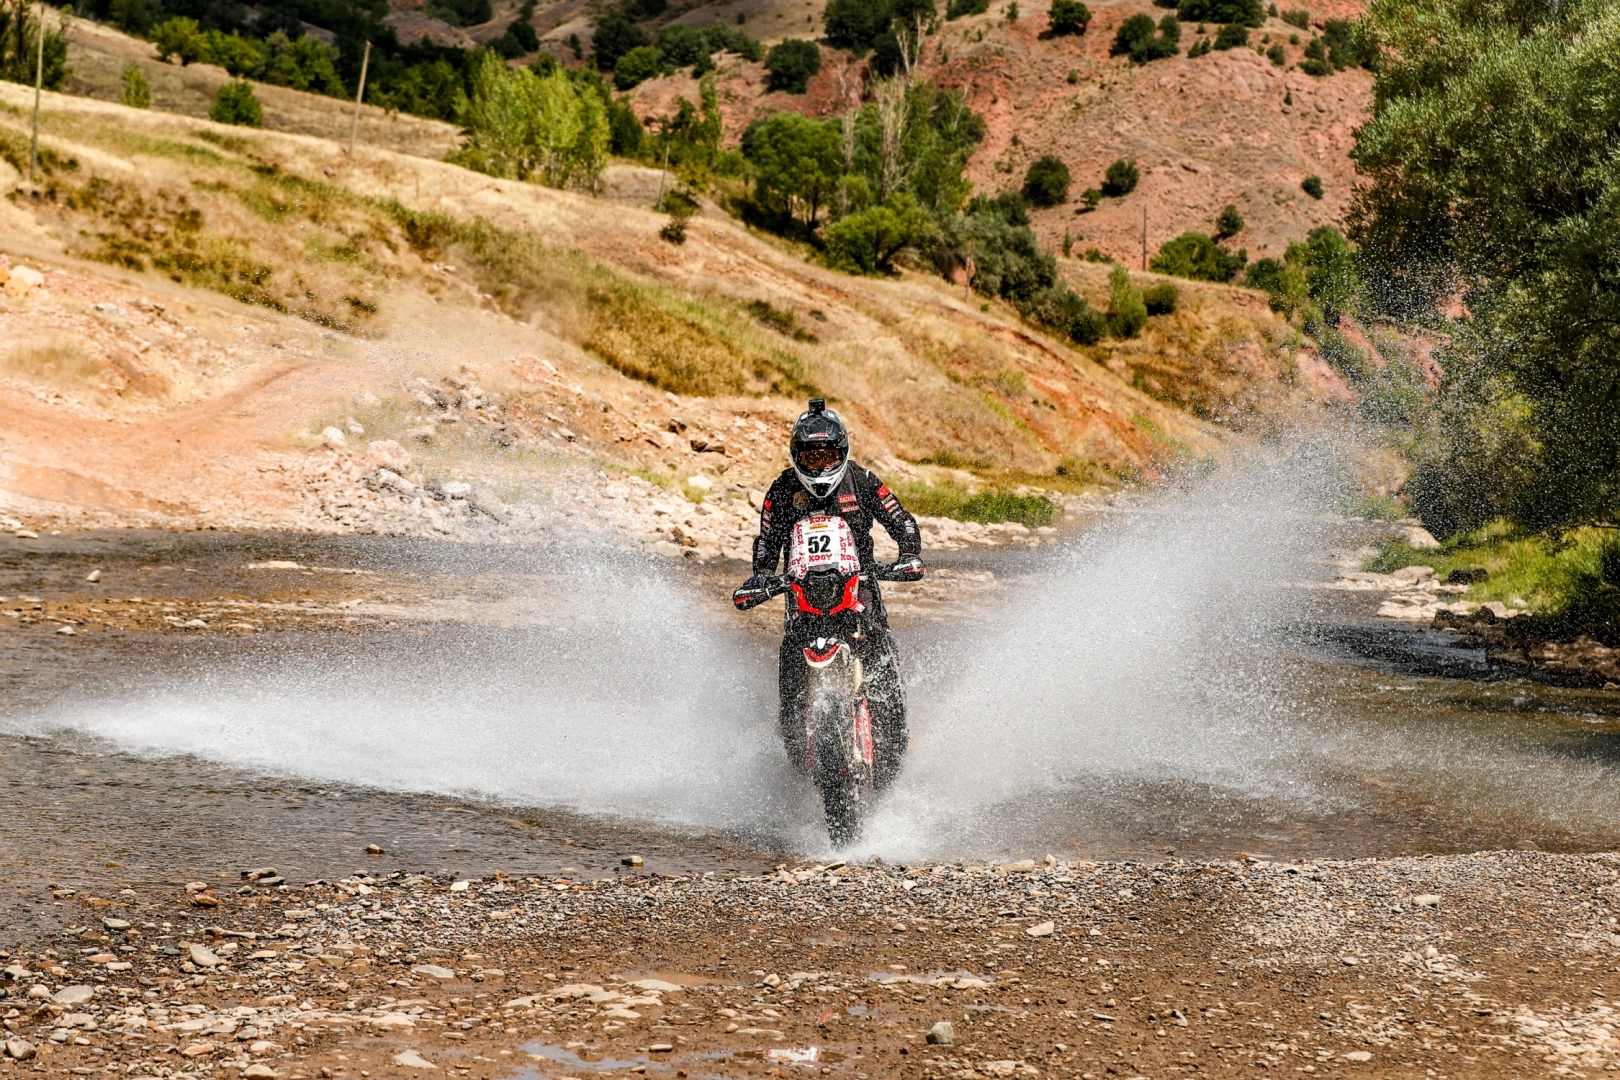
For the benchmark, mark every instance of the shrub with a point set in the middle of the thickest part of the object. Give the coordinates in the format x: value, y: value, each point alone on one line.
x: 855, y: 24
x: 1136, y: 38
x: 518, y: 40
x: 1047, y: 181
x: 1228, y: 223
x: 1297, y: 17
x: 1011, y: 264
x: 1091, y: 198
x: 790, y: 65
x: 1127, y: 311
x: 1232, y: 36
x: 137, y: 94
x: 1247, y: 12
x: 1068, y: 17
x: 1161, y: 299
x: 957, y: 9
x: 1312, y: 186
x: 1200, y: 48
x: 179, y: 37
x: 1277, y: 55
x: 235, y: 104
x: 1121, y: 178
x: 1067, y: 312
x: 992, y: 506
x: 614, y: 36
x: 1196, y: 256
x: 868, y: 242
x: 637, y: 66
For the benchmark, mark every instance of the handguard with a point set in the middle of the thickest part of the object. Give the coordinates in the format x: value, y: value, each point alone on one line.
x: 905, y: 568
x: 756, y: 590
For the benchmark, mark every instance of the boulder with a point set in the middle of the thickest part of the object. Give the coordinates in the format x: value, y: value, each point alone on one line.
x: 387, y: 454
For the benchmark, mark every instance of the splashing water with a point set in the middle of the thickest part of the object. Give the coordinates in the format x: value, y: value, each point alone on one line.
x: 1136, y: 655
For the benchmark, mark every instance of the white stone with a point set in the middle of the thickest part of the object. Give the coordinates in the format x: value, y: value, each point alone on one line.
x: 1358, y: 1055
x: 259, y: 1071
x: 1426, y: 900
x: 942, y: 1033
x: 73, y: 995
x: 700, y: 482
x: 333, y: 437
x: 1044, y: 929
x: 203, y: 957
x: 1419, y: 537
x: 410, y: 1059
x: 434, y: 971
x: 460, y: 886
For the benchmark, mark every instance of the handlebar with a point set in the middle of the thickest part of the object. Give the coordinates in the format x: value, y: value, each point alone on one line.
x: 774, y: 585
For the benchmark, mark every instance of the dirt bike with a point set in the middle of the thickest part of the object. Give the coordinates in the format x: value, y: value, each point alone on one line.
x: 828, y: 623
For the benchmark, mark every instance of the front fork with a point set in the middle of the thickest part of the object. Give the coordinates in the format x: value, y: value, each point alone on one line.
x: 836, y: 715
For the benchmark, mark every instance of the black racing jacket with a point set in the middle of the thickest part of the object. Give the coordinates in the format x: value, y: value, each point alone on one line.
x: 861, y: 498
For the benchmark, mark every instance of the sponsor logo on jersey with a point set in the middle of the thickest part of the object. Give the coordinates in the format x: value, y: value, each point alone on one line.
x: 801, y: 499
x: 848, y: 503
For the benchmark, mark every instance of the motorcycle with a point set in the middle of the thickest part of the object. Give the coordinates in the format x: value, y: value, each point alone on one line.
x: 827, y: 621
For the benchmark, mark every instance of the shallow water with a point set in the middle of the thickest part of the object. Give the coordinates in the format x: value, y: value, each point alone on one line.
x: 1171, y: 683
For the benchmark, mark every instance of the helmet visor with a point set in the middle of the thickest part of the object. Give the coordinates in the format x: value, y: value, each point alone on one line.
x: 818, y: 459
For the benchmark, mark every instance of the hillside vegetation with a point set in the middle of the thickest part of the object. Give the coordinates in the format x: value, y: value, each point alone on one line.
x: 380, y: 248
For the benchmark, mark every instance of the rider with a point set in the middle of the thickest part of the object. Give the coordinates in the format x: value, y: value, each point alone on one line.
x: 823, y: 480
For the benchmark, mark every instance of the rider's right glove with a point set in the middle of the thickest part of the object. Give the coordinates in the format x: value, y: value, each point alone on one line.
x: 907, y: 568
x: 753, y: 592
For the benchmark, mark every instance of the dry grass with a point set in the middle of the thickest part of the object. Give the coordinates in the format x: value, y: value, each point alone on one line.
x: 64, y: 363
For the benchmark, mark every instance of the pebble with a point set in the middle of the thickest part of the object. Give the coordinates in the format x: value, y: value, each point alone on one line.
x: 73, y: 995
x: 942, y: 1034
x: 259, y: 1071
x: 410, y: 1059
x: 203, y: 957
x: 434, y: 971
x: 1044, y: 929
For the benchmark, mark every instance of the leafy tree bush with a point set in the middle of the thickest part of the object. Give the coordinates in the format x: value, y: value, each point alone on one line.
x: 1067, y: 312
x: 857, y: 25
x: 1297, y: 17
x: 549, y: 128
x: 790, y: 65
x: 1137, y: 38
x: 137, y: 93
x: 1196, y: 256
x: 614, y: 36
x: 1127, y: 311
x: 1246, y: 12
x: 1161, y: 299
x: 236, y: 104
x: 1011, y: 265
x: 1350, y: 44
x: 798, y: 163
x: 1199, y: 48
x: 869, y: 241
x: 1068, y: 17
x: 1312, y: 186
x: 519, y: 39
x: 626, y: 135
x: 1232, y: 36
x: 1046, y: 183
x: 956, y: 9
x: 180, y: 38
x: 1228, y: 223
x: 1091, y: 198
x: 1011, y: 206
x: 1121, y: 178
x: 637, y: 66
x: 1277, y: 55
x: 1316, y: 61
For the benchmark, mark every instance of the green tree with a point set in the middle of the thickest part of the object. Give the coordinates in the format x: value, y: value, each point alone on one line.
x: 1229, y: 222
x: 181, y: 38
x: 1046, y: 183
x: 637, y: 66
x: 1196, y: 256
x: 790, y: 65
x: 1068, y: 17
x: 1127, y: 310
x: 137, y: 93
x: 1138, y: 38
x: 303, y: 63
x: 613, y: 37
x: 1246, y: 12
x: 869, y: 241
x: 1312, y: 186
x: 549, y: 128
x: 1491, y: 178
x: 1232, y: 36
x: 1161, y: 299
x: 797, y: 165
x: 236, y: 104
x: 1121, y: 178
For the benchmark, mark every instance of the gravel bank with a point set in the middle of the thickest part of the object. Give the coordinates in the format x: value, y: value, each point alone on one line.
x: 1494, y: 964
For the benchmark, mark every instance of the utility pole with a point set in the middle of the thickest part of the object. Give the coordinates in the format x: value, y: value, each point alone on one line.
x: 39, y: 83
x: 1144, y: 235
x: 354, y: 129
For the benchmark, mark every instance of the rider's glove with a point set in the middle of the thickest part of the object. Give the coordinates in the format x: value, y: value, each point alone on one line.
x: 907, y: 568
x: 753, y: 592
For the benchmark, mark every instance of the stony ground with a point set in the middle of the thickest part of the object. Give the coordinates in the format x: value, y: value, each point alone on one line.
x: 1494, y: 964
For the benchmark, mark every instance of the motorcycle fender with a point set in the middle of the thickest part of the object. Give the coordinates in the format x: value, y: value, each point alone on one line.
x: 819, y: 660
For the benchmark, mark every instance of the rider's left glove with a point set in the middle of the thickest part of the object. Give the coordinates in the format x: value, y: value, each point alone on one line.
x: 756, y: 590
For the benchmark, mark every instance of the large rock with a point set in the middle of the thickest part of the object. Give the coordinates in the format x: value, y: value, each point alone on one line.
x: 387, y: 454
x: 73, y: 995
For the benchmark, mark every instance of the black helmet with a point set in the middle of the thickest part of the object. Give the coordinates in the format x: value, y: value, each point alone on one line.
x: 820, y: 449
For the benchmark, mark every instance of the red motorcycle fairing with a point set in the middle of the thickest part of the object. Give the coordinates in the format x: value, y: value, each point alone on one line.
x: 850, y: 601
x: 820, y: 660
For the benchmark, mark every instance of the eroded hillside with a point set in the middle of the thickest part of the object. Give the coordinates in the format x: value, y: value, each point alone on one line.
x: 301, y: 290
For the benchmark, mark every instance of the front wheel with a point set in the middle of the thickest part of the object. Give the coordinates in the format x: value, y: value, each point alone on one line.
x: 844, y: 805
